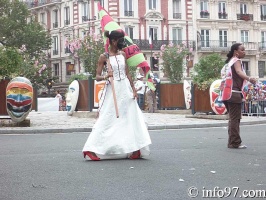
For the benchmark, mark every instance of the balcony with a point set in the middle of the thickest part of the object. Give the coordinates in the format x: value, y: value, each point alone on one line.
x: 176, y: 15
x: 67, y: 22
x: 85, y: 18
x: 55, y: 25
x: 55, y: 52
x: 204, y: 14
x: 129, y: 13
x: 245, y: 17
x: 37, y: 3
x: 144, y: 44
x: 263, y: 17
x: 224, y: 46
x: 222, y: 15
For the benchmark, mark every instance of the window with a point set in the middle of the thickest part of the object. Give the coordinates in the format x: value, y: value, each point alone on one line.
x: 261, y: 69
x: 128, y: 8
x: 42, y: 18
x: 70, y: 69
x: 204, y: 13
x: 177, y: 35
x: 55, y: 16
x: 263, y: 12
x: 244, y: 36
x: 176, y: 9
x: 56, y: 69
x: 129, y: 31
x: 55, y: 45
x: 152, y: 4
x: 85, y: 12
x: 101, y: 2
x: 67, y: 16
x: 222, y: 7
x: 222, y: 10
x: 246, y: 67
x: 243, y: 8
x: 263, y: 39
x: 223, y: 38
x: 204, y: 6
x: 205, y: 38
x: 153, y: 33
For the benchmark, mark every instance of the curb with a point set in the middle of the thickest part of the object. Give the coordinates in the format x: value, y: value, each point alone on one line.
x: 150, y: 127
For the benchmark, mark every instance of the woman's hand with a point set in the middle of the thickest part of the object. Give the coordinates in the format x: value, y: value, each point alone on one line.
x: 110, y: 74
x: 135, y: 94
x: 252, y: 80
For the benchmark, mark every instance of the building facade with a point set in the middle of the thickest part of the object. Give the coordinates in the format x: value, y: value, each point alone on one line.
x: 220, y: 23
x: 207, y: 26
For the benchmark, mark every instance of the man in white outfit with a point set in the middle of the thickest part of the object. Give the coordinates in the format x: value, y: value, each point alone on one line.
x: 140, y: 88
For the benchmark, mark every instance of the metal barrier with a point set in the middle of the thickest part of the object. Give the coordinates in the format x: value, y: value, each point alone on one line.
x: 254, y: 108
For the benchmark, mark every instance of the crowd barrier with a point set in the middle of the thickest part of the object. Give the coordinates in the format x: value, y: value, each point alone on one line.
x: 254, y: 108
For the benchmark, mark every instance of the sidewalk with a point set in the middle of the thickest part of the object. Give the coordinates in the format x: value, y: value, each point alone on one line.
x: 60, y: 122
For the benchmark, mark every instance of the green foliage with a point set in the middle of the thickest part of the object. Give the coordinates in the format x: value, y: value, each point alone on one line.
x: 37, y: 71
x: 15, y: 31
x: 174, y: 60
x: 10, y: 59
x: 88, y: 50
x: 207, y: 70
x: 14, y: 62
x: 78, y: 77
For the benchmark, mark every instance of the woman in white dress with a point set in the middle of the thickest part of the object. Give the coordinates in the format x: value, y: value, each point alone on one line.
x: 126, y: 136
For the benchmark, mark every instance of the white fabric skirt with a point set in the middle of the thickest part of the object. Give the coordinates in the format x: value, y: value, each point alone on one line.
x: 112, y: 137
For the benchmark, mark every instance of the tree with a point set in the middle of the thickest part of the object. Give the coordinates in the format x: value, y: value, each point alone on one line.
x: 15, y: 30
x: 17, y: 62
x: 88, y: 50
x: 207, y: 70
x: 10, y: 59
x: 174, y: 60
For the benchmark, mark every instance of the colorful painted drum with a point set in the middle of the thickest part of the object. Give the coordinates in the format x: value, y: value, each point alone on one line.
x: 19, y: 97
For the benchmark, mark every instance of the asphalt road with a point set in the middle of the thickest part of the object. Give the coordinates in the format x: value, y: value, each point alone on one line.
x: 51, y: 167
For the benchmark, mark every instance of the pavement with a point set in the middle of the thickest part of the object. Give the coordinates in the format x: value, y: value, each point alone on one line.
x: 83, y: 121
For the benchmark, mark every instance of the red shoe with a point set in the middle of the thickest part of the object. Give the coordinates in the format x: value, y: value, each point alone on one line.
x: 91, y: 156
x: 135, y: 155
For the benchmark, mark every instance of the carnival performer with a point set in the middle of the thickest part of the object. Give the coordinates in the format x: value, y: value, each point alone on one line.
x: 115, y: 137
x: 232, y: 95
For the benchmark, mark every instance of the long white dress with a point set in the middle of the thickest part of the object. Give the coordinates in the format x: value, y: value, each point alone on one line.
x: 113, y: 137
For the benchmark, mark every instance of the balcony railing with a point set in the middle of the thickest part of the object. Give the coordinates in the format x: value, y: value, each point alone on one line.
x: 263, y: 17
x: 36, y: 3
x: 67, y: 22
x: 224, y: 46
x: 222, y: 15
x: 55, y: 52
x: 55, y: 25
x: 204, y: 14
x: 85, y: 18
x: 177, y: 15
x: 129, y: 13
x: 246, y: 17
x: 156, y: 44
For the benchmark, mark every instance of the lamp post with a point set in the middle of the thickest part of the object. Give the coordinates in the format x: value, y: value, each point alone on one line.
x: 49, y: 85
